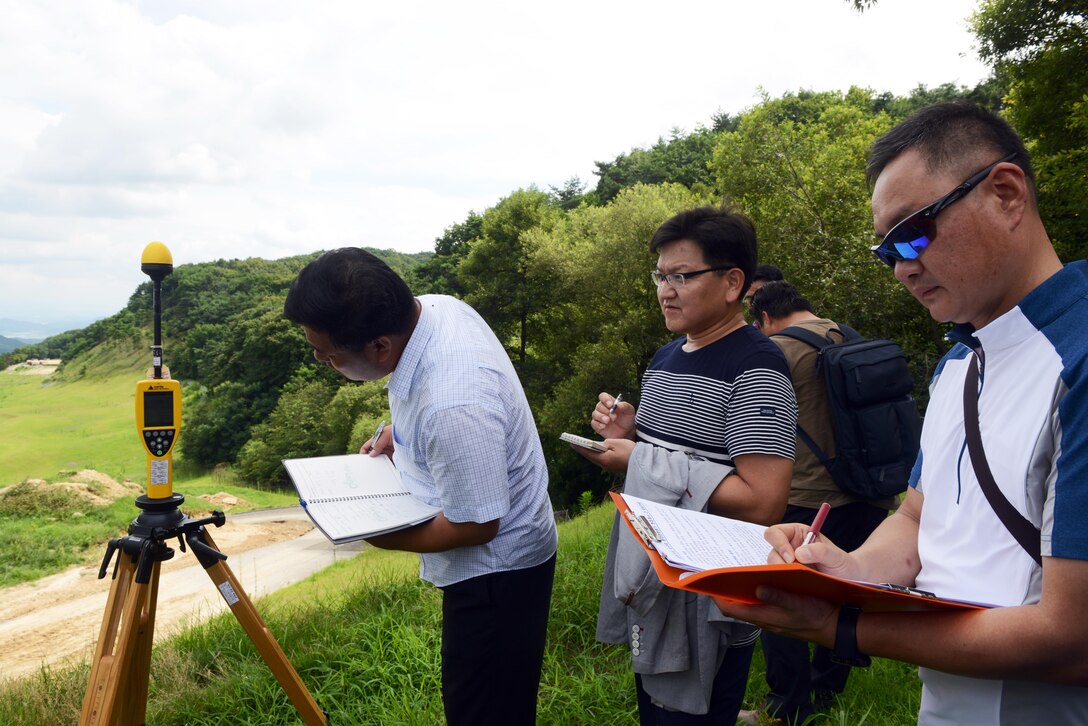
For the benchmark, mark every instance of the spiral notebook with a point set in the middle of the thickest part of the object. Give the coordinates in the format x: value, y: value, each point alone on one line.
x: 355, y: 496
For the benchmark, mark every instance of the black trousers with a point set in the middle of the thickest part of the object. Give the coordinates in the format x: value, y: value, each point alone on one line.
x: 493, y: 632
x: 793, y: 677
x: 726, y: 696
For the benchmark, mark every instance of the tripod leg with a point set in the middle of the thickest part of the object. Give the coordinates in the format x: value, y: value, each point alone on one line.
x: 137, y: 674
x: 258, y: 632
x: 117, y: 687
x: 103, y: 660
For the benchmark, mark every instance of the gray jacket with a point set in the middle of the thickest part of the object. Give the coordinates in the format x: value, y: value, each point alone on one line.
x: 677, y: 638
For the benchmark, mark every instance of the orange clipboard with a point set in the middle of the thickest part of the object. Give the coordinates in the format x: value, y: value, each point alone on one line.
x: 739, y: 583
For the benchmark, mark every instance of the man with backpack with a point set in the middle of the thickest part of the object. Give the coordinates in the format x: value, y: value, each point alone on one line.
x: 795, y: 682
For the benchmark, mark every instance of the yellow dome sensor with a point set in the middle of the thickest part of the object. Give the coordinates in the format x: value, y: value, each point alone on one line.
x: 156, y: 262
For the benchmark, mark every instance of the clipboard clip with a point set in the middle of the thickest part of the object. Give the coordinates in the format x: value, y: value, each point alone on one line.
x: 643, y: 528
x: 906, y: 590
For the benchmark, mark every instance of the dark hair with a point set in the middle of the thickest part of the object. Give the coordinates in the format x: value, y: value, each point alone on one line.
x: 778, y: 299
x: 351, y: 296
x: 767, y: 273
x: 726, y: 238
x: 951, y: 136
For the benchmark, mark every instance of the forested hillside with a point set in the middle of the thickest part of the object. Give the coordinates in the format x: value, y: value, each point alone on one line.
x: 562, y: 275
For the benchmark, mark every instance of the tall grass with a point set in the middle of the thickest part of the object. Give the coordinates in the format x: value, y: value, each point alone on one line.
x: 363, y: 635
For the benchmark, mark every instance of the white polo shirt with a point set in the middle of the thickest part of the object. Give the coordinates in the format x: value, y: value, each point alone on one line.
x: 1033, y: 411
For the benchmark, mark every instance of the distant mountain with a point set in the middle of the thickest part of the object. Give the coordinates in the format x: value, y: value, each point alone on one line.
x: 28, y: 332
x: 9, y: 344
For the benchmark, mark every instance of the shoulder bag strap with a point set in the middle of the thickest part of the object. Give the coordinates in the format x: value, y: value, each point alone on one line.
x: 809, y: 337
x: 818, y: 342
x: 1018, y: 525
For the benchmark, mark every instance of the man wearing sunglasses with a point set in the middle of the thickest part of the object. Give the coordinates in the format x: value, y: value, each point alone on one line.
x: 954, y: 201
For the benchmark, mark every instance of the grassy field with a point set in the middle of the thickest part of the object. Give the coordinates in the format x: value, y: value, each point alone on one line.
x: 363, y: 634
x: 48, y: 426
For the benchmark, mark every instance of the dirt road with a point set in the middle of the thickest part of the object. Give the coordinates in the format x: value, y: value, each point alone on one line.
x: 56, y: 619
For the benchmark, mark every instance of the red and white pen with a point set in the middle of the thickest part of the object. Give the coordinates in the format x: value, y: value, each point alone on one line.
x: 817, y: 523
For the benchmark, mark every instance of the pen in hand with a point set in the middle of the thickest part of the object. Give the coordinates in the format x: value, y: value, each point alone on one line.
x: 377, y: 433
x: 817, y: 523
x: 615, y: 402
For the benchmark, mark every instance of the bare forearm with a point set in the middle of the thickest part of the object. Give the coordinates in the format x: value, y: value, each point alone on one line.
x: 437, y: 535
x: 890, y: 554
x: 736, y: 498
x: 1009, y: 643
x: 1047, y: 641
x: 757, y: 491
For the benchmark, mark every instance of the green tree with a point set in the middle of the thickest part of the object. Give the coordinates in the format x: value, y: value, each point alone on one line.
x: 989, y: 93
x: 439, y: 274
x: 796, y: 166
x: 218, y: 421
x: 313, y: 417
x: 1040, y: 47
x: 495, y: 274
x: 682, y: 159
x: 204, y: 354
x: 570, y: 195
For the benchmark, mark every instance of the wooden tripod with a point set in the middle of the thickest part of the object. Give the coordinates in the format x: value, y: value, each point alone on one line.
x: 117, y: 688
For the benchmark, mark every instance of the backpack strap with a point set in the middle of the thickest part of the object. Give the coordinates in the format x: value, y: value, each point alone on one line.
x: 819, y: 342
x: 814, y: 448
x: 1026, y: 533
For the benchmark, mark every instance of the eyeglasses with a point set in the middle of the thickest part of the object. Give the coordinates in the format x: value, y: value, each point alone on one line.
x: 906, y: 240
x: 676, y: 279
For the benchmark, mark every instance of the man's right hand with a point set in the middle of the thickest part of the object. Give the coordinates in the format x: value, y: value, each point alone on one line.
x: 384, y: 444
x: 618, y: 425
x: 822, y: 554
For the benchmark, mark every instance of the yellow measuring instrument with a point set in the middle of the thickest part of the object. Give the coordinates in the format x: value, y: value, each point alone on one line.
x: 120, y: 668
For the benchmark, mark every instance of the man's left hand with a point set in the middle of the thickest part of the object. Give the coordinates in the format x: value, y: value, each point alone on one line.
x: 614, y: 459
x: 796, y: 616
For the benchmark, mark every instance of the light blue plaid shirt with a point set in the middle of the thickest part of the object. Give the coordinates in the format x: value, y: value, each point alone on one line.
x: 466, y: 441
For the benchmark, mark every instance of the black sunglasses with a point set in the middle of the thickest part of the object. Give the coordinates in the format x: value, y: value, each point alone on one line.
x: 906, y: 240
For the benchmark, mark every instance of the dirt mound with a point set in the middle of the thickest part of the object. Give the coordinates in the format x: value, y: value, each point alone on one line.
x: 98, y: 489
x: 89, y: 486
x: 34, y: 367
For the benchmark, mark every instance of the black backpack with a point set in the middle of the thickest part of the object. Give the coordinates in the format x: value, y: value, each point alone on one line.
x: 877, y: 426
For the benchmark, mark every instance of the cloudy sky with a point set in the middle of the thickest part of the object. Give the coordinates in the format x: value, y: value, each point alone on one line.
x: 267, y: 128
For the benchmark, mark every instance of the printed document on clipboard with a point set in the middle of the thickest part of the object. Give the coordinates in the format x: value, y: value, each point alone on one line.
x: 727, y: 558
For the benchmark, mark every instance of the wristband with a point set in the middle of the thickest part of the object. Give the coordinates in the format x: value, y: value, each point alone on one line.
x: 846, y: 639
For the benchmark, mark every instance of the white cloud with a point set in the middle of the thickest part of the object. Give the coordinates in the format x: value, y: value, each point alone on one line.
x: 269, y: 128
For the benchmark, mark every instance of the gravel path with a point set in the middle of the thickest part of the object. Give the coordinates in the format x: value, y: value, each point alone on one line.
x: 55, y: 620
